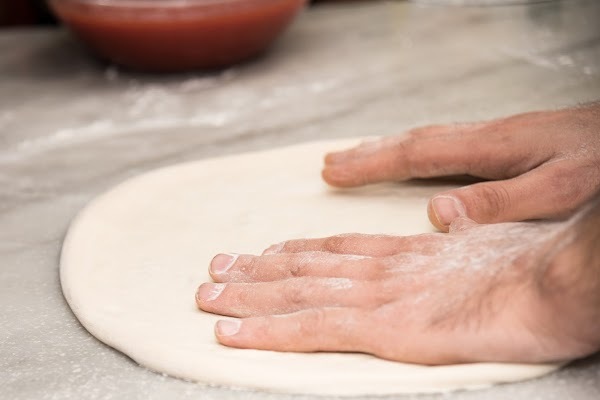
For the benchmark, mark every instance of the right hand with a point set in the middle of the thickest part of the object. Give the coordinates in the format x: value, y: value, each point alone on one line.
x: 511, y: 292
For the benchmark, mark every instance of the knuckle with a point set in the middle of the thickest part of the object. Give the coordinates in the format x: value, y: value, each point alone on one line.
x: 336, y: 244
x: 568, y: 187
x: 296, y: 268
x: 294, y: 296
x: 419, y: 132
x: 236, y: 301
x: 407, y: 157
x: 375, y: 270
x: 496, y: 199
x: 417, y: 156
x: 404, y: 147
x: 249, y: 265
x: 313, y: 321
x: 379, y: 293
x: 424, y: 131
x: 282, y: 247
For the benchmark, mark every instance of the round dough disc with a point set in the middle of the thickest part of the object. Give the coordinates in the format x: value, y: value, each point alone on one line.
x: 132, y: 261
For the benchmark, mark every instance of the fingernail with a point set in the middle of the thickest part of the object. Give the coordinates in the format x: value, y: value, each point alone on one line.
x: 228, y: 327
x: 274, y: 249
x: 209, y: 291
x: 447, y: 209
x: 222, y: 262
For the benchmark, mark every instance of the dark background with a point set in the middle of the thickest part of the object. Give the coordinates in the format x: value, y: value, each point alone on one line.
x: 24, y: 12
x: 29, y: 12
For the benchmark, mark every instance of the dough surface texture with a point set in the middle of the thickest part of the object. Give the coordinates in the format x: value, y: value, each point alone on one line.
x: 133, y: 258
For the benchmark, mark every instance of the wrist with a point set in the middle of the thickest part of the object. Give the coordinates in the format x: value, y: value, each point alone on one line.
x: 571, y: 282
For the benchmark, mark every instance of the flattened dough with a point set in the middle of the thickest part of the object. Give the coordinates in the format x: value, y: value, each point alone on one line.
x: 134, y: 257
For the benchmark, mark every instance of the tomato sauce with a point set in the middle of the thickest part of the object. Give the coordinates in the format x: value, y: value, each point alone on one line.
x: 173, y: 35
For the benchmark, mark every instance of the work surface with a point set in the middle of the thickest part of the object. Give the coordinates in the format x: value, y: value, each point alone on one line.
x: 71, y: 127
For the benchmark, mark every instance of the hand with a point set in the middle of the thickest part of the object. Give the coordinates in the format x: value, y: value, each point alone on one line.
x: 511, y: 292
x: 544, y: 164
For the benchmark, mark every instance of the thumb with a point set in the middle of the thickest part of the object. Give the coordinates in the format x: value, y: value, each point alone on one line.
x: 548, y: 191
x: 444, y: 209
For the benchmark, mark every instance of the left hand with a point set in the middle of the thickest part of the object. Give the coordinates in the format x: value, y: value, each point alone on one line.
x: 539, y: 165
x: 510, y: 292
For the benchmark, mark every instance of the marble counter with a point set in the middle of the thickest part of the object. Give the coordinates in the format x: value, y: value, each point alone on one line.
x: 71, y: 127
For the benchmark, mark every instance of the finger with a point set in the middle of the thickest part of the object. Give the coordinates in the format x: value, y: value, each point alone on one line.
x: 551, y: 190
x: 369, y: 146
x: 358, y: 244
x: 345, y: 329
x: 249, y: 268
x: 283, y: 297
x: 462, y: 224
x: 319, y: 329
x: 484, y: 152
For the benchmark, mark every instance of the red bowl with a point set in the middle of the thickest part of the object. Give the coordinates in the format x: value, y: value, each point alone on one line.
x: 176, y: 35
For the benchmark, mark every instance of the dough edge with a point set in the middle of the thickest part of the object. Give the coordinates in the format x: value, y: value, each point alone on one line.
x: 456, y: 377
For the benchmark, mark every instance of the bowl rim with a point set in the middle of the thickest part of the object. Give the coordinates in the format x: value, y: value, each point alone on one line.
x: 162, y: 4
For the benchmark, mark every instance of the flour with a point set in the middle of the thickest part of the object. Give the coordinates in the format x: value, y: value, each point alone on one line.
x: 338, y: 283
x: 216, y: 291
x: 114, y: 277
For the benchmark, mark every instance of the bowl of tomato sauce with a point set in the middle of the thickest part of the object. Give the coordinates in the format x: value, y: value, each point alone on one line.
x: 177, y: 35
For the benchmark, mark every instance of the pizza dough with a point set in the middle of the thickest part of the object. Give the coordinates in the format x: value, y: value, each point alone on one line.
x: 132, y: 261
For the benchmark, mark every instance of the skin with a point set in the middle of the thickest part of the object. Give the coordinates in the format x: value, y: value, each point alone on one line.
x: 506, y: 292
x: 540, y: 165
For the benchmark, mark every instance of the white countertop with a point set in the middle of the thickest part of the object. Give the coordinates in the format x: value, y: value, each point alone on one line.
x: 71, y: 127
